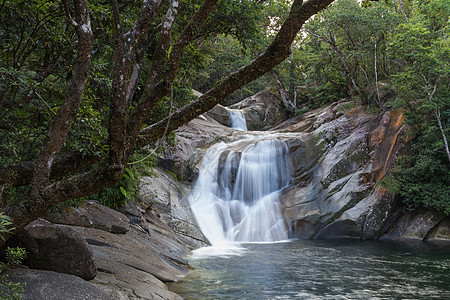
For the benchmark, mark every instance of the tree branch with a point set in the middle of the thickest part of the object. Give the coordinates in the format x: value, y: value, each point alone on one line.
x: 276, y: 52
x: 125, y: 46
x: 69, y: 17
x: 156, y: 90
x: 116, y: 14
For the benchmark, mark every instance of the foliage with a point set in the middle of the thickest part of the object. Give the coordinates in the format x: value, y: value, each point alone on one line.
x: 5, y: 225
x: 221, y: 56
x: 15, y: 256
x: 341, y: 44
x: 115, y: 196
x: 422, y: 178
x: 10, y: 290
x: 420, y: 49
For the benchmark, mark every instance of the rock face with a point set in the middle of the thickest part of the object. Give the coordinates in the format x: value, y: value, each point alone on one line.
x: 169, y: 198
x: 334, y: 194
x: 61, y: 250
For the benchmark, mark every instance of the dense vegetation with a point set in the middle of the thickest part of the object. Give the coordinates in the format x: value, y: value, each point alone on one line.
x: 390, y: 55
x: 105, y: 83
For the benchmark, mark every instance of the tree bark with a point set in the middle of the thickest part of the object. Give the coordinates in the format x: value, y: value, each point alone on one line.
x: 59, y: 130
x: 376, y: 78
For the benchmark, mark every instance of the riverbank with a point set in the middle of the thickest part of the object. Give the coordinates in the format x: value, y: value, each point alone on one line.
x: 93, y: 252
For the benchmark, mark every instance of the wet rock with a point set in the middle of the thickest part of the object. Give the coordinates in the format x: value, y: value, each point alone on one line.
x: 263, y: 110
x: 60, y: 249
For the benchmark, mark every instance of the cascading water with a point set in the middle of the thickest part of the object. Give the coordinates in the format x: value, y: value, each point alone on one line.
x: 235, y: 197
x: 237, y: 119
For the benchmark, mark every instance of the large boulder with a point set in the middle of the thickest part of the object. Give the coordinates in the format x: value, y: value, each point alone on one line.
x: 262, y: 111
x: 221, y: 114
x: 90, y: 214
x: 49, y: 285
x: 60, y: 249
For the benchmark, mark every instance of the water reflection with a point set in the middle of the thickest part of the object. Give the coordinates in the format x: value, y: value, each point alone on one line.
x: 323, y: 270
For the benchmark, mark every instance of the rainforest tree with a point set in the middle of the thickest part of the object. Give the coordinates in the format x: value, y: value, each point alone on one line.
x: 81, y: 78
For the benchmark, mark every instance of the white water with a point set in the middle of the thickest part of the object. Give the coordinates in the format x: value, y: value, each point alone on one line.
x: 235, y: 198
x: 237, y: 119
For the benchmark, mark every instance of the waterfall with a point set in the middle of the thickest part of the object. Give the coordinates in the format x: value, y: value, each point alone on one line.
x: 235, y: 197
x: 237, y: 119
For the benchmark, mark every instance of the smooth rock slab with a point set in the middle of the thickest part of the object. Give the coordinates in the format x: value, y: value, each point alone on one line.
x: 48, y: 285
x: 90, y: 214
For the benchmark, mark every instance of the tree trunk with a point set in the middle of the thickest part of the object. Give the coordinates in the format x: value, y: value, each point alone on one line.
x: 437, y: 115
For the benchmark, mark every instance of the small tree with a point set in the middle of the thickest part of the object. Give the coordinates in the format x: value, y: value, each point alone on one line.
x: 422, y: 83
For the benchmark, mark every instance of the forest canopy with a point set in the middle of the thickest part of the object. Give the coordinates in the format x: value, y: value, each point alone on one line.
x: 85, y: 86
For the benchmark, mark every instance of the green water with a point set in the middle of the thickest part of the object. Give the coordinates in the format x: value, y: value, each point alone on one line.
x: 320, y: 270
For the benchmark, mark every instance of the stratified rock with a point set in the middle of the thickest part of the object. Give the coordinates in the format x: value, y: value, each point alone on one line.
x: 137, y: 263
x: 48, y: 285
x: 90, y: 214
x: 61, y: 249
